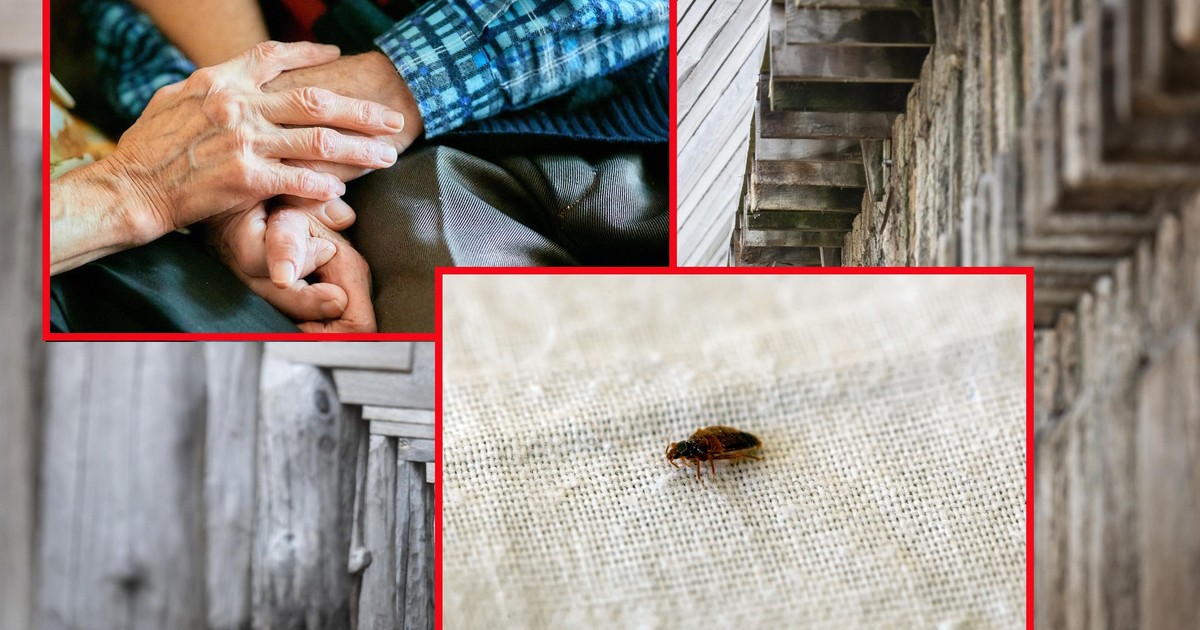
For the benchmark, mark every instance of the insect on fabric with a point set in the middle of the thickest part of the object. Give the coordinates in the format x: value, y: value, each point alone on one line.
x: 712, y: 443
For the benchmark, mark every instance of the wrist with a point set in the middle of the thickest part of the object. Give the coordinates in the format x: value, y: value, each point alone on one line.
x: 142, y: 209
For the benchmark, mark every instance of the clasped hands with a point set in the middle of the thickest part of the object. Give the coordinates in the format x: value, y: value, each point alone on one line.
x: 262, y: 165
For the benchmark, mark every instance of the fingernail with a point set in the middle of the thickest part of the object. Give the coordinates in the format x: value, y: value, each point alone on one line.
x: 393, y: 119
x: 339, y: 214
x: 283, y: 273
x: 331, y: 309
x: 386, y: 153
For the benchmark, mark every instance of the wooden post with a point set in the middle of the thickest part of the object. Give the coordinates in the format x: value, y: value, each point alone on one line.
x: 307, y: 452
x: 233, y: 385
x: 121, y: 535
x: 20, y: 346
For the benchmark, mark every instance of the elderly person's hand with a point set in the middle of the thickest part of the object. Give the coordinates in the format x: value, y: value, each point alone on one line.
x: 340, y: 302
x: 217, y: 143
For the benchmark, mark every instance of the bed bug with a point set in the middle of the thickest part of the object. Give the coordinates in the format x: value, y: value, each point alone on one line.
x: 713, y: 443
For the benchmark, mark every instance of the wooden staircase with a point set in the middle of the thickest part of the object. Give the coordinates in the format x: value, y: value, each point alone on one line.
x: 835, y: 75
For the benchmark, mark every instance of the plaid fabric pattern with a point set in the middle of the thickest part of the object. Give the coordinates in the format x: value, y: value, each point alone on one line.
x: 464, y: 60
x: 133, y: 56
x: 467, y: 60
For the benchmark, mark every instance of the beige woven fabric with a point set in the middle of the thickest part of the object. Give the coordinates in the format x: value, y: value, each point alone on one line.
x: 892, y: 414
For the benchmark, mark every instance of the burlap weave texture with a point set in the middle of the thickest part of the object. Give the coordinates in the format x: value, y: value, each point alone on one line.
x: 891, y: 410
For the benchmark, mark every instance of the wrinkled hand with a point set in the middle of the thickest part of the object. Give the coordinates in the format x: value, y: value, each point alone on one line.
x: 367, y: 76
x: 339, y: 302
x: 216, y: 142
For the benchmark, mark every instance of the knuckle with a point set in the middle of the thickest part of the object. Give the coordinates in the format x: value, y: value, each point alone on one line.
x: 268, y: 49
x: 222, y: 109
x: 316, y: 102
x: 324, y: 142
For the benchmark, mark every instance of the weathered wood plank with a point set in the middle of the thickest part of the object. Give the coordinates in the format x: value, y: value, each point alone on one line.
x: 824, y: 125
x: 430, y: 472
x: 121, y: 540
x: 780, y: 149
x: 391, y: 389
x: 806, y: 198
x: 392, y: 414
x: 307, y: 451
x: 232, y: 425
x: 869, y: 64
x: 798, y: 256
x: 386, y: 355
x: 377, y: 607
x: 857, y: 27
x: 791, y: 238
x: 402, y: 429
x: 414, y: 545
x: 21, y: 372
x: 1187, y: 24
x: 1168, y: 487
x: 823, y: 96
x: 838, y: 221
x: 810, y: 173
x: 415, y: 450
x: 882, y: 5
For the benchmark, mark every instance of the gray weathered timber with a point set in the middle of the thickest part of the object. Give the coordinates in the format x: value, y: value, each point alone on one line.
x: 415, y: 450
x: 121, y: 501
x: 719, y: 44
x: 857, y: 27
x: 871, y: 64
x: 414, y: 545
x: 836, y: 221
x: 402, y: 429
x: 824, y: 125
x: 810, y: 173
x: 388, y: 355
x: 392, y: 414
x: 885, y: 5
x: 791, y: 238
x: 307, y: 447
x: 377, y: 605
x: 1168, y: 490
x: 22, y: 354
x: 232, y: 371
x: 391, y: 389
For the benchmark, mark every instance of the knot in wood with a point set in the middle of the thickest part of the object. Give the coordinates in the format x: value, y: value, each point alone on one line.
x: 360, y: 558
x: 321, y: 399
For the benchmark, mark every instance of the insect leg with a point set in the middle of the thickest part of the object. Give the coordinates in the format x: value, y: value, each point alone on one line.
x: 713, y: 463
x: 697, y: 469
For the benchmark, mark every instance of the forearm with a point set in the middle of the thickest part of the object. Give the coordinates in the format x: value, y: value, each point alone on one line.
x: 94, y: 212
x: 529, y: 52
x: 190, y: 26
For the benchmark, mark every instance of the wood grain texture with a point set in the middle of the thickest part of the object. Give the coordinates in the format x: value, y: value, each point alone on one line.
x: 414, y: 545
x: 1168, y: 473
x: 391, y: 389
x: 719, y: 45
x: 377, y: 604
x: 393, y: 414
x: 386, y: 355
x: 23, y: 354
x: 233, y: 385
x: 307, y: 451
x: 402, y: 429
x: 122, y: 501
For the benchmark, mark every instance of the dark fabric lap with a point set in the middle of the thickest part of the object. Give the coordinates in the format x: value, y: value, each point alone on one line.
x: 484, y: 202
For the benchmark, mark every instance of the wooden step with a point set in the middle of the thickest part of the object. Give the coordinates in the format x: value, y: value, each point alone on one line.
x: 869, y: 64
x: 858, y: 27
x: 804, y: 198
x: 878, y: 5
x: 816, y: 221
x: 810, y: 173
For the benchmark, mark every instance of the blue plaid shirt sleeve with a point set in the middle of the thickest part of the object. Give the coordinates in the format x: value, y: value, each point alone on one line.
x: 467, y: 60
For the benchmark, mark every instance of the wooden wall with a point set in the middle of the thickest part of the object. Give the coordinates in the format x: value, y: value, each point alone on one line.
x: 720, y: 44
x: 218, y: 485
x: 21, y: 352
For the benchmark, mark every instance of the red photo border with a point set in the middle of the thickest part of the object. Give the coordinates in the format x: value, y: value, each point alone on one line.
x: 1027, y: 272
